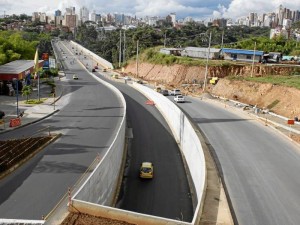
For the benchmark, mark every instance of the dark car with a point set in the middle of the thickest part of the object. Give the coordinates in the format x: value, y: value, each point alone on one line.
x: 93, y: 70
x: 2, y: 114
x: 165, y: 92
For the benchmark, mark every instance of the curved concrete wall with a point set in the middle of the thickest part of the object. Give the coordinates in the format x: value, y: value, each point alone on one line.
x: 101, y: 185
x: 96, y: 58
x: 187, y: 139
x: 97, y: 193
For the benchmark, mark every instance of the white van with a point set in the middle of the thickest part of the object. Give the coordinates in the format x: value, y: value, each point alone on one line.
x: 175, y: 92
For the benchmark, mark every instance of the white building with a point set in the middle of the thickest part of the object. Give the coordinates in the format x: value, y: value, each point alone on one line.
x: 84, y: 14
x: 173, y: 18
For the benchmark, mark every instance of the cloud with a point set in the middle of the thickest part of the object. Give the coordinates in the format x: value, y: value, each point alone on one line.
x: 239, y: 8
x: 182, y: 8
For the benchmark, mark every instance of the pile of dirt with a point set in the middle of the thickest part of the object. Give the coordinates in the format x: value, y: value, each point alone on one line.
x: 84, y: 219
x: 279, y: 99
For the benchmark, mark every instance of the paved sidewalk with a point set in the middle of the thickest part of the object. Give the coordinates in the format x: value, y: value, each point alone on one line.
x: 31, y: 112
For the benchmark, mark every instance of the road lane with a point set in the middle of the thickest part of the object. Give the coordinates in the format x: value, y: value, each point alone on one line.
x: 88, y: 118
x: 261, y: 167
x: 168, y: 194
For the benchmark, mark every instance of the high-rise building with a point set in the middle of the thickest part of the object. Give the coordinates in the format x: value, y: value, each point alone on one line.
x: 173, y: 18
x: 280, y: 15
x: 70, y: 11
x: 57, y: 13
x: 84, y: 14
x: 35, y: 16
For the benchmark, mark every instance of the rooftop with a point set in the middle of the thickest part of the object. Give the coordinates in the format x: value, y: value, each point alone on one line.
x: 17, y: 66
x: 242, y: 51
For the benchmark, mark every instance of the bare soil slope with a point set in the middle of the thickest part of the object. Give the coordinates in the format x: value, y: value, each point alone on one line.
x: 279, y: 99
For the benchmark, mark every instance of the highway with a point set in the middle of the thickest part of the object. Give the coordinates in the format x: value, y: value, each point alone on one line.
x: 167, y: 195
x: 88, y: 119
x: 260, y: 166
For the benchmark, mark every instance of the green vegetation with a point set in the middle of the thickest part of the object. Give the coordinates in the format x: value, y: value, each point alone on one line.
x: 289, y: 81
x: 153, y: 56
x: 273, y: 104
x: 16, y: 45
x: 26, y: 91
x: 35, y: 101
x: 106, y: 44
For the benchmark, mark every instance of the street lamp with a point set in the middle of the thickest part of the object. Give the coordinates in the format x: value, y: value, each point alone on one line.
x: 206, y: 67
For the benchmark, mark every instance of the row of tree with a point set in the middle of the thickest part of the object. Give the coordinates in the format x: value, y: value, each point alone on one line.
x: 107, y: 44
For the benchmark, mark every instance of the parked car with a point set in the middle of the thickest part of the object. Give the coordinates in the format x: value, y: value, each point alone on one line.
x: 104, y: 70
x: 116, y: 76
x: 127, y: 78
x: 179, y: 98
x: 175, y: 92
x: 140, y: 82
x: 2, y: 114
x: 157, y: 89
x: 165, y: 92
x: 75, y: 77
x: 93, y: 70
x: 146, y: 170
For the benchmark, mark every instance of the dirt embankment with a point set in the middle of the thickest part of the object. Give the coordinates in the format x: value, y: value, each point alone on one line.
x: 281, y: 100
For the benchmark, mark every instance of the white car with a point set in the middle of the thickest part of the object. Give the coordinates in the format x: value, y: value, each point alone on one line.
x: 179, y: 98
x: 175, y: 92
x: 127, y: 78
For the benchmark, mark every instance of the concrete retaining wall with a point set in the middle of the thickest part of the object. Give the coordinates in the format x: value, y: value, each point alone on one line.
x: 104, y: 63
x: 101, y: 185
x: 121, y: 215
x: 97, y: 193
x: 187, y: 140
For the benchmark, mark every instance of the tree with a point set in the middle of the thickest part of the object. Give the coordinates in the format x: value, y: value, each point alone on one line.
x: 26, y: 91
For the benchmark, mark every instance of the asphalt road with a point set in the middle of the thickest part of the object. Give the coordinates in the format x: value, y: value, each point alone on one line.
x: 261, y: 167
x: 89, y: 117
x: 167, y: 194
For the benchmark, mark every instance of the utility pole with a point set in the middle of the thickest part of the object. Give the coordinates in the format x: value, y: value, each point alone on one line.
x: 120, y: 49
x: 137, y: 58
x: 222, y: 39
x: 165, y: 40
x: 206, y: 67
x: 124, y: 46
x: 253, y: 59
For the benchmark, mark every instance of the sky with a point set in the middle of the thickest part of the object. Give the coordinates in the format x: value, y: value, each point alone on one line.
x: 198, y: 9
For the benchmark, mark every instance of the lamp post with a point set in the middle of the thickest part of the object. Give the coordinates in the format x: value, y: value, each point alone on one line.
x: 206, y: 67
x: 137, y: 58
x: 253, y: 59
x: 17, y: 87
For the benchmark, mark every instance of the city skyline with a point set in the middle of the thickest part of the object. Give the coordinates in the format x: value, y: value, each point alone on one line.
x: 197, y: 9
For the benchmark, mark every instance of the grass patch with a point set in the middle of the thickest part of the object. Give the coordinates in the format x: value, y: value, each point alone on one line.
x: 34, y: 101
x: 288, y: 81
x: 152, y: 55
x: 273, y: 104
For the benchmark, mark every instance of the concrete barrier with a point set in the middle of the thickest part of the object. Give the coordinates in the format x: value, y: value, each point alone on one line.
x: 21, y: 222
x: 101, y: 185
x: 104, y: 63
x: 121, y: 215
x: 96, y: 194
x: 187, y: 139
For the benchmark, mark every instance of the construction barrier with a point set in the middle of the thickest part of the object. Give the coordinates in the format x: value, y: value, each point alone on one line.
x: 150, y: 102
x: 15, y: 122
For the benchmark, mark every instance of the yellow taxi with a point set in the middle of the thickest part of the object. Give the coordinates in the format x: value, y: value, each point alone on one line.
x: 157, y: 89
x: 146, y: 170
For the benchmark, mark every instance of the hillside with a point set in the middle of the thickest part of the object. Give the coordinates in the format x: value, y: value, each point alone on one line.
x: 279, y: 99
